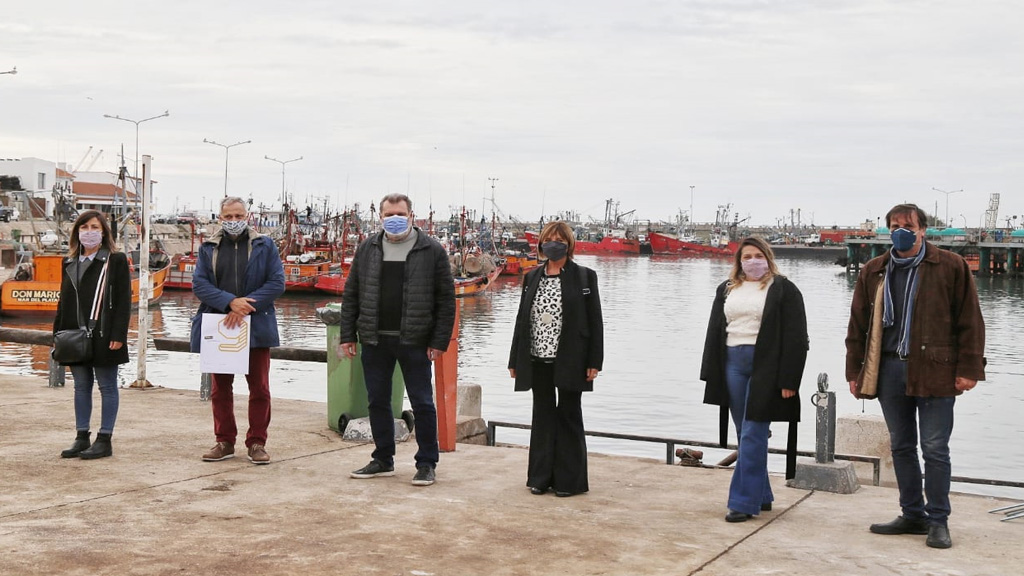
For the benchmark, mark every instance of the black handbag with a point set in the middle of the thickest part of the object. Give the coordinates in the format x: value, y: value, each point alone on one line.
x: 75, y: 346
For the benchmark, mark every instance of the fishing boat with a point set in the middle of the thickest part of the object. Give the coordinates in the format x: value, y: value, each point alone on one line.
x: 614, y: 242
x: 517, y: 263
x: 666, y: 244
x: 35, y: 287
x: 179, y: 277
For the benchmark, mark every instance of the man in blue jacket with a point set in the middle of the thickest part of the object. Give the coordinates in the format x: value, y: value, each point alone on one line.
x: 239, y: 273
x: 400, y: 300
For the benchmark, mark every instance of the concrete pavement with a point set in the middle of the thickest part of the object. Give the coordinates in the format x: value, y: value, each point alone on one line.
x: 156, y: 508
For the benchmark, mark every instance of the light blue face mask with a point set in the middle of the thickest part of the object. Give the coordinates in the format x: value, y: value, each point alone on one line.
x: 396, y: 225
x: 903, y: 240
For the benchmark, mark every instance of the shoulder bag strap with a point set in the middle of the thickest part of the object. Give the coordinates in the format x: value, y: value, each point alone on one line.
x: 97, y: 302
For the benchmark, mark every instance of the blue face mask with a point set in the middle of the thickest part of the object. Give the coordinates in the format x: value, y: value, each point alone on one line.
x: 903, y: 240
x: 396, y: 225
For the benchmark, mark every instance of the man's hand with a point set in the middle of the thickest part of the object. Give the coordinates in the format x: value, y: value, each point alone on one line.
x: 591, y: 374
x: 512, y: 372
x: 234, y: 320
x: 963, y: 384
x: 853, y: 388
x: 434, y: 354
x: 243, y: 306
x: 788, y: 393
x: 116, y: 345
x: 347, y: 349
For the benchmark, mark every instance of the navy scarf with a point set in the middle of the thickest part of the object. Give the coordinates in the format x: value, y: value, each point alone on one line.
x: 909, y: 295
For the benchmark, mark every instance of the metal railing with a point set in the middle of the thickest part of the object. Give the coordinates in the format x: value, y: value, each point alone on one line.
x: 671, y: 443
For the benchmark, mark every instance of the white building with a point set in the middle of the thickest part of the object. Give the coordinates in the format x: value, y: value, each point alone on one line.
x: 37, y: 178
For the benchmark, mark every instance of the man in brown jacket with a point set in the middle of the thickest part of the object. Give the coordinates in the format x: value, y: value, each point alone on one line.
x: 916, y: 341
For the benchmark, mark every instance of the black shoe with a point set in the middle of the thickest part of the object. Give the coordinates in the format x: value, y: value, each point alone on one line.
x: 766, y: 507
x: 374, y: 469
x: 564, y: 494
x: 81, y: 443
x: 902, y: 525
x: 938, y: 536
x: 538, y: 491
x: 100, y: 448
x: 734, y: 516
x: 424, y: 476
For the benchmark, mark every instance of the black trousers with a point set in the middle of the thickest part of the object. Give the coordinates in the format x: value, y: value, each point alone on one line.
x: 558, y: 446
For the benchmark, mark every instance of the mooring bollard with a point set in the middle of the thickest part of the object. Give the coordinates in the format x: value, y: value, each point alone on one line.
x: 56, y: 374
x: 204, y: 387
x: 825, y: 422
x: 825, y: 473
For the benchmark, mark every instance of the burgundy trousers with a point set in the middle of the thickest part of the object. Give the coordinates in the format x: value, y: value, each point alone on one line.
x: 223, y: 400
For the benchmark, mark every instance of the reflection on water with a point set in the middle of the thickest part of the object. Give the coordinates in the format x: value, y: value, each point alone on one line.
x: 656, y: 311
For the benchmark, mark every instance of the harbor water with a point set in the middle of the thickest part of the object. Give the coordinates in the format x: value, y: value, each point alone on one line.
x: 656, y: 310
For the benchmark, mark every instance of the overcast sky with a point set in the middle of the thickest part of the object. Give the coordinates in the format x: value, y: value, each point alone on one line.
x: 837, y: 108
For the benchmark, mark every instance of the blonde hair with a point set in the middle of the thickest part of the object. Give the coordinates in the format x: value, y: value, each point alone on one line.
x: 736, y: 275
x: 560, y: 230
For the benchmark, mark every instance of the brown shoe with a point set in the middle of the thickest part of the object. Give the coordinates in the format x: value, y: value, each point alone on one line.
x: 222, y: 451
x: 257, y: 455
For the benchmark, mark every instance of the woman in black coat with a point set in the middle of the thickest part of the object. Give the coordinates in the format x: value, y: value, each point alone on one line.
x: 754, y: 357
x: 557, y: 351
x: 94, y: 266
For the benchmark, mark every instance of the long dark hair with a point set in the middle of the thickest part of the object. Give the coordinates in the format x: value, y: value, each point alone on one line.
x: 75, y: 247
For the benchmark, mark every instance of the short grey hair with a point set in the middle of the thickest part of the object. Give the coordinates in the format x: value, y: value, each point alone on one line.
x: 228, y: 200
x: 395, y: 199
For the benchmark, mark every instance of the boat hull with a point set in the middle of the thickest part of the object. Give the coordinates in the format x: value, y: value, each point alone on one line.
x: 40, y: 297
x: 664, y: 244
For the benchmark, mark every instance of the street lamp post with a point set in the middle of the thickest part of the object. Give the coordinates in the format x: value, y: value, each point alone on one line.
x: 227, y: 148
x: 282, y: 163
x: 691, y: 210
x: 946, y: 221
x: 137, y: 122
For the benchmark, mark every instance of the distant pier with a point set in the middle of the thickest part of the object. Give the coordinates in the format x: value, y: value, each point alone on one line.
x: 984, y: 258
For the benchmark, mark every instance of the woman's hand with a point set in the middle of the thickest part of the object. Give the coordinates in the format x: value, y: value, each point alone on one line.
x: 512, y: 372
x: 591, y: 374
x: 788, y: 393
x: 116, y: 345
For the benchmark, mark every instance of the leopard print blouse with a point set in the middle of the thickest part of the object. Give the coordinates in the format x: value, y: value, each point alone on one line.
x: 546, y: 318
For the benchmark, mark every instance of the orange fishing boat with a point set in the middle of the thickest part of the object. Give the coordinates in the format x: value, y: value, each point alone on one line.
x: 179, y: 277
x: 516, y: 264
x: 35, y: 288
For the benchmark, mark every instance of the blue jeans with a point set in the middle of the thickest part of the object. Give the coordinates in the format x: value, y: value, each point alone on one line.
x: 378, y: 368
x: 106, y: 378
x: 750, y: 487
x: 902, y: 416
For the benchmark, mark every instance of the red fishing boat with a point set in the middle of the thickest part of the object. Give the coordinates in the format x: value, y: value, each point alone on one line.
x: 665, y: 244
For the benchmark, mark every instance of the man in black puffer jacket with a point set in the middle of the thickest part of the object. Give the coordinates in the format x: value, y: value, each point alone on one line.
x: 399, y: 303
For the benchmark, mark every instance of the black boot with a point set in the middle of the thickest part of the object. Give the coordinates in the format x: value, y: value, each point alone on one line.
x: 99, y: 449
x: 81, y: 443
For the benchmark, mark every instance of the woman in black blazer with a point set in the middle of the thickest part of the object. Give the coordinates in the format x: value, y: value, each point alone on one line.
x: 93, y: 256
x: 557, y: 351
x: 754, y: 357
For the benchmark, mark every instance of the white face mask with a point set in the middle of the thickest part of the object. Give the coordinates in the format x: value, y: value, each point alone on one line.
x: 234, y: 227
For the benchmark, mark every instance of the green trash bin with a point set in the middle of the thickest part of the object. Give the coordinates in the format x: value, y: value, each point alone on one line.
x: 346, y: 387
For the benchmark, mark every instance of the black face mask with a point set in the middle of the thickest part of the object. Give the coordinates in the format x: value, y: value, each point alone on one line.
x: 555, y: 250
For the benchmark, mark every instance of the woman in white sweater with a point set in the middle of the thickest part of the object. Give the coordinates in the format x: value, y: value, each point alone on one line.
x: 754, y: 358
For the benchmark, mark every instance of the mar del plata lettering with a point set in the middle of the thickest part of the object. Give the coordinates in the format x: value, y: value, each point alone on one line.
x: 47, y: 296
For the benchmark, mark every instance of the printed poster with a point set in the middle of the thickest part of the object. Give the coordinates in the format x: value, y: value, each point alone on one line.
x: 224, y: 350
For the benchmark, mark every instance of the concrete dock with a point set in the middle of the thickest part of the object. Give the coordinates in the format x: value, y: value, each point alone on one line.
x: 156, y: 508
